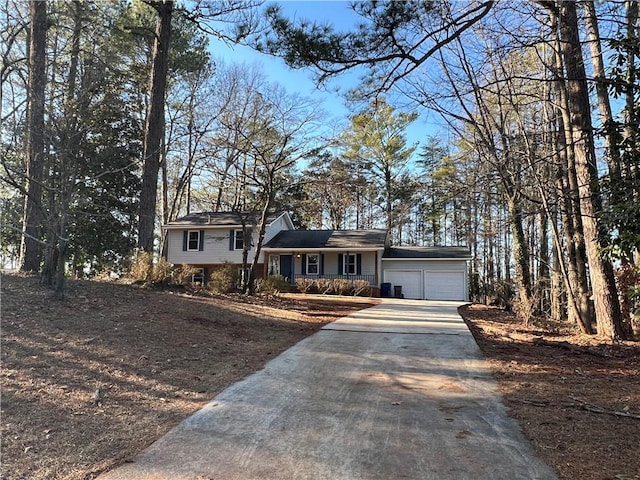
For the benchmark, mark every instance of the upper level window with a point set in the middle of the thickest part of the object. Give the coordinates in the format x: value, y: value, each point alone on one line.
x: 239, y: 240
x: 193, y: 240
x: 349, y: 264
x: 312, y: 264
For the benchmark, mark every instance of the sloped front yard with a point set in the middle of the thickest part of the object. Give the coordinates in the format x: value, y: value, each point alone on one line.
x: 89, y: 382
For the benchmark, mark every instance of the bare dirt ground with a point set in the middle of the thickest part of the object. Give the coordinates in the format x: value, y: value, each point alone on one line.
x: 577, y: 399
x: 89, y: 382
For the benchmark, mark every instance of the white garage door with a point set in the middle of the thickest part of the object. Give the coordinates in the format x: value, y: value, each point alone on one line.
x: 444, y: 285
x: 410, y: 280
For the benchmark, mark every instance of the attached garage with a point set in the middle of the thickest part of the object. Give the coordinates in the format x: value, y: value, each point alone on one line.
x: 427, y: 273
x: 410, y: 280
x: 444, y: 285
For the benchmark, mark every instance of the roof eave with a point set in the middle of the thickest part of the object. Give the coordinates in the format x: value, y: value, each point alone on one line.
x: 426, y: 258
x: 324, y: 249
x: 199, y: 226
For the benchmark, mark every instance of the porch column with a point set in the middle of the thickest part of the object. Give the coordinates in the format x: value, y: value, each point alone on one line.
x: 378, y: 278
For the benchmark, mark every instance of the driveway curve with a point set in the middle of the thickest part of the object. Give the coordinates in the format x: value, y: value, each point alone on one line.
x: 396, y: 391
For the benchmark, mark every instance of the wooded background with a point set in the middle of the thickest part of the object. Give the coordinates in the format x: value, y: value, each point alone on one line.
x: 117, y: 117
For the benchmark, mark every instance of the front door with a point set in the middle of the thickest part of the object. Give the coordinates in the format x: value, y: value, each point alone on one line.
x: 286, y: 267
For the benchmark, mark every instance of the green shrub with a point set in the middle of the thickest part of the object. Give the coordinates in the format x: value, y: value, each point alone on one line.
x: 224, y: 279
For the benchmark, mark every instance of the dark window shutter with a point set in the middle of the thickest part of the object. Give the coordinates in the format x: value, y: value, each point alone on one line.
x: 201, y: 242
x: 340, y: 264
x: 359, y: 264
x: 185, y: 239
x: 322, y: 264
x: 232, y: 239
x: 304, y: 264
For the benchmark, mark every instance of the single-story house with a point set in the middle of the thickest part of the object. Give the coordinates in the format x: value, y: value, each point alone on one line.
x: 208, y: 240
x: 352, y: 254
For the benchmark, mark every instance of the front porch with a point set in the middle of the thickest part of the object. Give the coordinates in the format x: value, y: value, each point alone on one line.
x: 330, y: 265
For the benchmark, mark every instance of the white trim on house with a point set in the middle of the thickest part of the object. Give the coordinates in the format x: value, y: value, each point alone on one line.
x: 425, y: 259
x: 322, y: 250
x: 198, y: 238
x: 315, y: 264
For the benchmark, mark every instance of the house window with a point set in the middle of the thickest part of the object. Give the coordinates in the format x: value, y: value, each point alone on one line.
x: 239, y: 240
x: 312, y: 264
x: 198, y: 276
x: 349, y: 264
x: 193, y: 242
x: 274, y: 265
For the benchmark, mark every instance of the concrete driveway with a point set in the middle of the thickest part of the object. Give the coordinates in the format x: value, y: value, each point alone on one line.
x: 396, y: 391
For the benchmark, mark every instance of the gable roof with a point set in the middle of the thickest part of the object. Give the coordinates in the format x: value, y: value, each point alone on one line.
x: 223, y: 219
x: 328, y: 239
x: 400, y: 253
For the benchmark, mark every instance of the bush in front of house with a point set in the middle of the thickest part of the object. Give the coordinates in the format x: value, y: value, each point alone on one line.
x: 342, y: 286
x: 333, y: 286
x: 224, y: 279
x: 272, y: 285
x: 144, y: 270
x: 361, y: 288
x: 305, y: 285
x: 325, y: 286
x: 183, y: 274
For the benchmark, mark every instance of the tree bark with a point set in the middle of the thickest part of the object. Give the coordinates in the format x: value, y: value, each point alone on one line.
x: 520, y: 253
x: 607, y: 306
x: 577, y: 285
x: 612, y: 136
x: 154, y: 126
x: 30, y: 247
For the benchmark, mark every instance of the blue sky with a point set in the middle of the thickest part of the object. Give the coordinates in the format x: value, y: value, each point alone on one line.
x: 340, y: 15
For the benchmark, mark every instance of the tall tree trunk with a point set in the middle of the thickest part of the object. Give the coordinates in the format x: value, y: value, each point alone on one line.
x: 75, y: 110
x: 558, y: 274
x: 520, y: 254
x: 154, y: 125
x: 567, y: 187
x: 611, y: 135
x: 607, y: 306
x: 631, y: 133
x: 30, y: 247
x: 544, y: 280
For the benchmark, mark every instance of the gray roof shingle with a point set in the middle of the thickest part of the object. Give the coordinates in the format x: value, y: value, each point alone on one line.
x: 461, y: 253
x: 219, y: 219
x: 291, y: 239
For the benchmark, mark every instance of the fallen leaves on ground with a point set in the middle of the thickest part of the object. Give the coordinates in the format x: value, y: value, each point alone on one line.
x: 577, y: 398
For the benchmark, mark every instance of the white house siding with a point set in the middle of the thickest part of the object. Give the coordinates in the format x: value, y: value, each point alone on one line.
x: 216, y: 245
x: 430, y: 279
x: 273, y: 230
x: 331, y: 263
x: 215, y: 249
